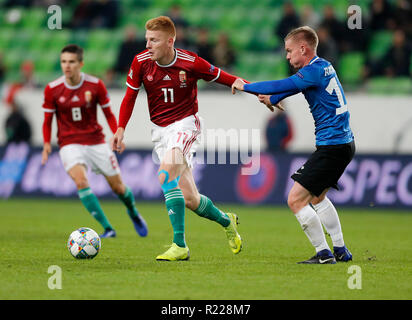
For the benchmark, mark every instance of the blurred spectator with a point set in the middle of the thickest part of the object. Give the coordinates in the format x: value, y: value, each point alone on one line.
x: 95, y: 14
x: 17, y: 127
x: 204, y: 48
x: 84, y: 14
x: 107, y: 14
x: 111, y: 79
x: 279, y: 132
x: 47, y: 3
x: 356, y: 39
x: 223, y: 53
x: 335, y: 27
x: 182, y: 41
x: 27, y: 80
x: 17, y: 3
x: 2, y: 70
x: 397, y: 60
x: 380, y: 14
x: 289, y: 21
x: 327, y: 47
x: 30, y: 3
x: 175, y: 13
x: 309, y: 17
x: 402, y: 16
x: 130, y: 46
x: 27, y: 72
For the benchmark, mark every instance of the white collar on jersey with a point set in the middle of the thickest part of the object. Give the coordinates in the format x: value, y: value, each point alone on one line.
x: 170, y: 64
x: 77, y: 86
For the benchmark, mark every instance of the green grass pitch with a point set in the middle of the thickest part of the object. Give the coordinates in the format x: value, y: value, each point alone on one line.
x: 34, y: 233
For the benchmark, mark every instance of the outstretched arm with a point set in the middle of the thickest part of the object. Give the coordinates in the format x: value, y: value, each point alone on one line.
x: 267, y: 87
x: 126, y: 110
x: 276, y: 98
x: 208, y: 72
x: 227, y: 79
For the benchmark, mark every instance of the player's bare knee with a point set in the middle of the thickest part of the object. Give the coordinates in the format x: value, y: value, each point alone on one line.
x: 173, y: 157
x: 167, y: 180
x: 291, y: 204
x: 294, y: 203
x: 161, y: 176
x: 81, y: 183
x: 316, y: 200
x: 291, y: 200
x: 119, y: 188
x: 192, y: 201
x: 189, y: 203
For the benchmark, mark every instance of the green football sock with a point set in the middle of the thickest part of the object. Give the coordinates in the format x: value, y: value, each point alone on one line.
x: 209, y: 211
x: 128, y: 199
x: 92, y: 205
x: 175, y: 205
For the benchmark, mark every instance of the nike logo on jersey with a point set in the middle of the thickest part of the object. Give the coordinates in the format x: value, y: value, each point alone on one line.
x: 166, y: 77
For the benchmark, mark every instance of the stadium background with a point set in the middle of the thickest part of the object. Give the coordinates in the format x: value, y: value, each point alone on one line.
x: 25, y: 35
x: 379, y: 103
x: 40, y: 207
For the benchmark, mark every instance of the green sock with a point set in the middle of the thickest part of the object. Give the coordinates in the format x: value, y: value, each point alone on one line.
x: 92, y: 205
x: 209, y: 211
x: 128, y: 199
x: 175, y: 205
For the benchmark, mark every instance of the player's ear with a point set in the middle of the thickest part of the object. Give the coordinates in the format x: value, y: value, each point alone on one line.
x: 171, y: 41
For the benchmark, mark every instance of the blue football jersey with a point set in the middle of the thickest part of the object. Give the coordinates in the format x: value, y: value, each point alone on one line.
x: 320, y: 85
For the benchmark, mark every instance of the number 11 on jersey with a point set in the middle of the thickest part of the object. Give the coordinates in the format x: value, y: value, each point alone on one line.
x: 165, y: 93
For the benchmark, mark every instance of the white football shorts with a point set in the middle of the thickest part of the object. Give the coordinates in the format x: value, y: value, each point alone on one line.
x: 100, y: 158
x: 184, y: 134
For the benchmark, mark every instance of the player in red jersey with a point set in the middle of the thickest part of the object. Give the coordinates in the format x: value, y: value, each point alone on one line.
x: 170, y: 77
x: 73, y: 98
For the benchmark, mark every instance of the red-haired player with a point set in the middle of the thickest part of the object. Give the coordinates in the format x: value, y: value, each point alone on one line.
x: 170, y: 77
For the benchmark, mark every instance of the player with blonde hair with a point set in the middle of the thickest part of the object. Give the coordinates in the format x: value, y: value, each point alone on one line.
x: 335, y: 147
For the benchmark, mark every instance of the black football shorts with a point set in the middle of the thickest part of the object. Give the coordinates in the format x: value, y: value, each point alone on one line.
x: 324, y: 167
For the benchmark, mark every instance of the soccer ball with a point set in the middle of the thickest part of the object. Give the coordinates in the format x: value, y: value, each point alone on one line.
x: 84, y: 243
